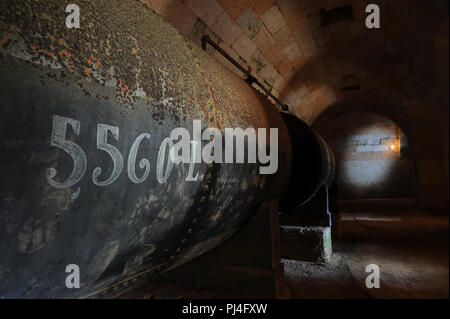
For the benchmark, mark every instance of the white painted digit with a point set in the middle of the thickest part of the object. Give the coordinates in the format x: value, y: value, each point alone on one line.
x: 160, y: 161
x: 143, y: 163
x: 58, y: 139
x: 102, y: 144
x: 190, y: 177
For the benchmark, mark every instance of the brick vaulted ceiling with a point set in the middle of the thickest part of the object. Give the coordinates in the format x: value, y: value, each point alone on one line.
x: 310, y: 66
x: 321, y: 71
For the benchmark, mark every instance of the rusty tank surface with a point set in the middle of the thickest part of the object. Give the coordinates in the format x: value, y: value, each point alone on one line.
x: 86, y: 116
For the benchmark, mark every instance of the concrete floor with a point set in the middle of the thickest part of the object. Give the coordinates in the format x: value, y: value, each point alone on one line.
x: 409, y: 245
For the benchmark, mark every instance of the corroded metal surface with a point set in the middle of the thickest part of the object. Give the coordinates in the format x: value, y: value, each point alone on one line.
x: 127, y: 69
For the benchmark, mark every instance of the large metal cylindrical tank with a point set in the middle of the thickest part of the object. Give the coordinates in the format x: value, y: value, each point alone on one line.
x: 86, y: 115
x: 313, y: 164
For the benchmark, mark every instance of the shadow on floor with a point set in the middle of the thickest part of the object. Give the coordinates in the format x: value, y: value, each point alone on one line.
x: 410, y: 246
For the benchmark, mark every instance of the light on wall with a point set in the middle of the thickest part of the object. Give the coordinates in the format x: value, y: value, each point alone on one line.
x: 392, y: 147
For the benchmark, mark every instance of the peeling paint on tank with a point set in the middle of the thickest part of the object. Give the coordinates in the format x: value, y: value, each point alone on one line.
x: 140, y: 77
x: 163, y: 214
x: 143, y: 77
x: 107, y: 255
x: 137, y: 260
x: 29, y: 239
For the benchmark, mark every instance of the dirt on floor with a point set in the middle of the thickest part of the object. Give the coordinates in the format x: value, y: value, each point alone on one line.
x: 410, y: 247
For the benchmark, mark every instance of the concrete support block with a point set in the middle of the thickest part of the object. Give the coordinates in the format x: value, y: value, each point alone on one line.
x: 307, y: 243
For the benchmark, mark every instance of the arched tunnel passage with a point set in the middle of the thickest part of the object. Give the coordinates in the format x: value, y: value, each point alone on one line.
x: 66, y: 93
x: 374, y: 156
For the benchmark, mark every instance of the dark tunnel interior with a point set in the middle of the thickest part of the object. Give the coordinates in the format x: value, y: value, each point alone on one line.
x: 214, y: 149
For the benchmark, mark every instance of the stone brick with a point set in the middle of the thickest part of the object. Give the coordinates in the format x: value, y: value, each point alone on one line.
x: 283, y: 67
x: 263, y: 40
x: 269, y: 74
x: 222, y: 60
x: 306, y: 42
x: 261, y: 6
x: 198, y: 30
x: 258, y: 62
x: 273, y: 19
x: 274, y: 55
x: 159, y: 6
x: 176, y: 12
x: 298, y: 62
x: 279, y: 84
x: 286, y: 5
x: 206, y: 10
x: 292, y: 51
x: 296, y: 19
x: 297, y: 81
x: 244, y: 47
x: 303, y: 36
x: 309, y: 49
x: 249, y: 22
x: 235, y: 7
x: 284, y: 37
x: 290, y: 97
x: 312, y: 86
x: 290, y: 75
x: 226, y: 28
x: 302, y: 91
